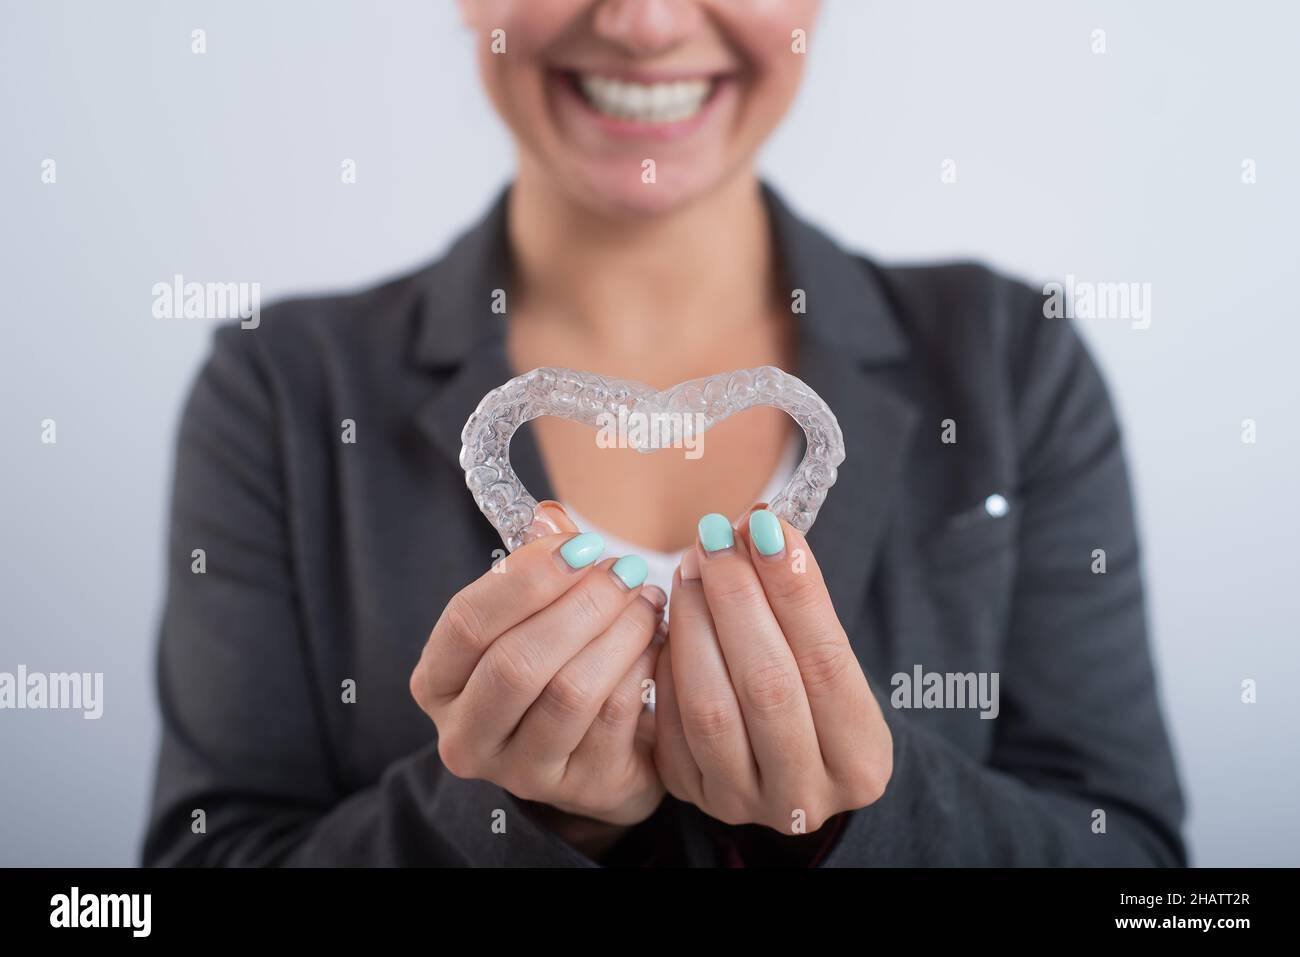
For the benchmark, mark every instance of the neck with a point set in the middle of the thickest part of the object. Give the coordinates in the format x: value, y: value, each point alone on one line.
x: 698, y: 275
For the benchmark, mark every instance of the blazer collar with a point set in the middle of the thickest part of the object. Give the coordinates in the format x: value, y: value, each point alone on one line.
x: 849, y: 327
x: 847, y: 306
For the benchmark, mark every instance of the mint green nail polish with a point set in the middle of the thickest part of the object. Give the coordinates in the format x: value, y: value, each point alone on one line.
x: 715, y: 532
x: 581, y: 550
x: 765, y: 530
x: 631, y: 569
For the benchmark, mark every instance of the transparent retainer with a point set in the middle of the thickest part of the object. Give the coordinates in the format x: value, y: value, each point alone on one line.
x: 691, y: 407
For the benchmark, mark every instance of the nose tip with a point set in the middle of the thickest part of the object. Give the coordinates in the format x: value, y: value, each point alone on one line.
x: 646, y: 26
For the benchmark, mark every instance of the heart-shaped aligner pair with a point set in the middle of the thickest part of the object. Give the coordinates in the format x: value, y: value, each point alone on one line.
x: 672, y: 418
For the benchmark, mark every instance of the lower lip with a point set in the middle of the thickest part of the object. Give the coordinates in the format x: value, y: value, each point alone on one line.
x: 624, y: 129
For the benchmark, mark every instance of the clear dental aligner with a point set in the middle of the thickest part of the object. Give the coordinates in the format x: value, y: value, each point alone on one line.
x: 693, y: 406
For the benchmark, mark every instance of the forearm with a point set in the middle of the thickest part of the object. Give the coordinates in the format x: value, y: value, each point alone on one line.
x: 943, y: 808
x: 416, y: 815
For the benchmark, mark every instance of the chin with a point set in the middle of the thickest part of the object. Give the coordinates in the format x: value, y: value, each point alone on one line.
x: 616, y: 188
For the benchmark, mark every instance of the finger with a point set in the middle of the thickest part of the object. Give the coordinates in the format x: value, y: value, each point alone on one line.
x: 556, y: 723
x: 610, y: 775
x: 673, y: 758
x: 645, y: 729
x: 515, y: 588
x: 710, y: 714
x: 762, y: 667
x: 837, y: 690
x: 517, y: 666
x: 610, y: 742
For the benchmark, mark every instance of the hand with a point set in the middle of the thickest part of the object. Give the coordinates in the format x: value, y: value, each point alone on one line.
x: 533, y: 677
x: 762, y: 712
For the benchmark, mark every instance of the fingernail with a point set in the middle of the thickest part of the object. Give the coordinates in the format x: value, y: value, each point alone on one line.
x: 631, y: 570
x: 581, y: 550
x: 765, y: 530
x: 690, y: 564
x: 549, y: 518
x: 655, y: 596
x: 715, y: 532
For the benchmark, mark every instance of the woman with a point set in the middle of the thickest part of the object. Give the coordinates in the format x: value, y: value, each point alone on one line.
x: 952, y: 668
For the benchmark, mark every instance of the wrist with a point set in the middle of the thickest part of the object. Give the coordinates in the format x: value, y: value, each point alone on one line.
x: 591, y: 837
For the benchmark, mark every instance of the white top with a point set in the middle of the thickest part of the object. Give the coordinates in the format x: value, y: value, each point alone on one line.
x: 662, y: 565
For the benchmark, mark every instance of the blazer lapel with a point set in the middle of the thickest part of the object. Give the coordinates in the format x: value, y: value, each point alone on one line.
x: 461, y: 340
x: 848, y: 336
x: 443, y: 417
x: 878, y: 426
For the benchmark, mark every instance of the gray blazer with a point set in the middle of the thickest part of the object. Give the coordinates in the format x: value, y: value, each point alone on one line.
x: 328, y: 562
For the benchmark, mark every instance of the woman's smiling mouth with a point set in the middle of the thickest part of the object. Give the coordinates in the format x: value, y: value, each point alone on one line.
x: 663, y: 102
x: 635, y: 106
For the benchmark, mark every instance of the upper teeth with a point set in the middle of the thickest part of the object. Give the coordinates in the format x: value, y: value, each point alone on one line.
x: 646, y: 102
